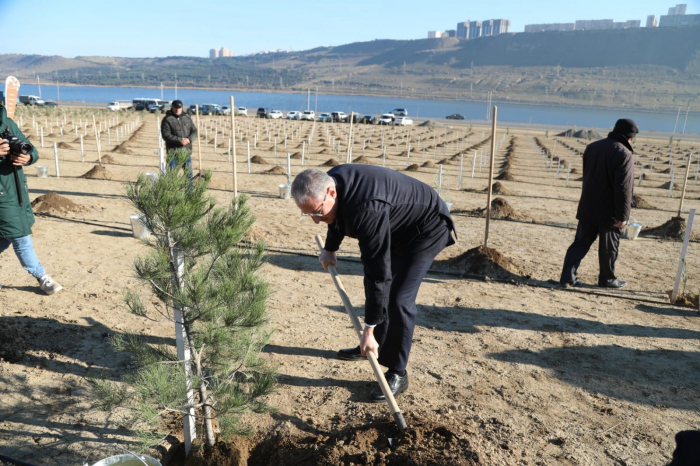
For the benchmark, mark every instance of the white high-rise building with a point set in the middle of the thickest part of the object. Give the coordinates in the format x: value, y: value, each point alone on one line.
x: 679, y: 9
x: 651, y: 21
x: 435, y: 34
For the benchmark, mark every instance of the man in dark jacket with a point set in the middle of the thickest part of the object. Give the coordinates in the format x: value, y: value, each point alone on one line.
x: 16, y: 216
x: 178, y: 132
x: 606, y: 201
x: 401, y: 224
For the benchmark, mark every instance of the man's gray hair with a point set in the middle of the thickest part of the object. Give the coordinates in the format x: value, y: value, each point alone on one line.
x: 311, y: 183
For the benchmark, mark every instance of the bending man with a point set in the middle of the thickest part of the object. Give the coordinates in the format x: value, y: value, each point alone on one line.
x: 401, y: 224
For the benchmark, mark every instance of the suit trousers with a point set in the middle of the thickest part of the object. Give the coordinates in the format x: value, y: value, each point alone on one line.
x: 608, y: 247
x: 395, y: 333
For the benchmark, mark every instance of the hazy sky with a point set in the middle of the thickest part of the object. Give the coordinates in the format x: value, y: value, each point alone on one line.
x: 157, y: 28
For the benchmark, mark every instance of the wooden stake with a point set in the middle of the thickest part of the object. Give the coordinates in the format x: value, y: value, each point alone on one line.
x: 685, y: 182
x: 233, y: 156
x: 684, y: 250
x: 55, y: 158
x: 199, y: 137
x: 490, y: 188
x: 376, y: 368
x: 352, y: 118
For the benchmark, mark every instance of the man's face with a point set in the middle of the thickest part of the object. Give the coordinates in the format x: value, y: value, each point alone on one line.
x: 177, y: 110
x: 323, y: 209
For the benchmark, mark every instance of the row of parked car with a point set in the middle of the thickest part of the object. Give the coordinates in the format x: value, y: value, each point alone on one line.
x: 398, y: 116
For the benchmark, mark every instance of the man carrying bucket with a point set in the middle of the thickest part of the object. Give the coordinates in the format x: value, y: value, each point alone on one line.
x: 606, y: 201
x: 16, y: 216
x: 401, y: 224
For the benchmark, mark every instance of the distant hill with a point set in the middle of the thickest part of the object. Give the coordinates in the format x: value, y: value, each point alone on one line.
x: 657, y: 67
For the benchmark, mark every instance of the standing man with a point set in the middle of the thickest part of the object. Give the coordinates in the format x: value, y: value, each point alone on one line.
x: 16, y: 216
x: 606, y: 201
x: 401, y: 224
x: 178, y: 131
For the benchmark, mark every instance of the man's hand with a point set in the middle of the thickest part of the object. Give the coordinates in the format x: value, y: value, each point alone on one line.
x: 620, y: 224
x: 20, y: 159
x: 368, y: 343
x: 4, y: 147
x: 185, y: 141
x: 327, y: 258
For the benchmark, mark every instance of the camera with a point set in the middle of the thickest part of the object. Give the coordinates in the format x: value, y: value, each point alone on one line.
x: 17, y: 146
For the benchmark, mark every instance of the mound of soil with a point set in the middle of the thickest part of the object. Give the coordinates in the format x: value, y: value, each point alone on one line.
x: 573, y: 171
x: 501, y: 209
x: 361, y: 159
x: 53, y: 203
x: 428, y: 124
x: 413, y: 168
x: 505, y: 176
x: 258, y: 159
x: 581, y: 134
x: 484, y: 261
x: 123, y: 148
x: 686, y: 299
x: 277, y: 170
x: 108, y: 159
x: 667, y: 184
x: 64, y: 145
x: 13, y: 343
x: 326, y: 151
x: 296, y: 156
x: 429, y: 164
x: 641, y: 203
x: 424, y: 443
x: 330, y: 163
x: 97, y: 173
x: 445, y: 162
x: 674, y: 228
x: 498, y: 188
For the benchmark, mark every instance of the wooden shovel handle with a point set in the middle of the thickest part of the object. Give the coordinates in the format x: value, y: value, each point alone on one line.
x: 378, y: 374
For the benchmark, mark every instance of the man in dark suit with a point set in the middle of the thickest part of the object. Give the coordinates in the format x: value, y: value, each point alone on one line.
x: 606, y: 201
x: 401, y: 224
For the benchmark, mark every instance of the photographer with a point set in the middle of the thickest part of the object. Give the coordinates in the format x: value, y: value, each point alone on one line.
x: 16, y: 216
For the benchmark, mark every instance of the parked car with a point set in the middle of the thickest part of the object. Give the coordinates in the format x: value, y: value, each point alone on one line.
x: 241, y: 111
x: 400, y: 112
x: 274, y: 114
x: 403, y: 121
x: 49, y: 103
x: 211, y: 109
x: 293, y: 115
x: 225, y: 110
x: 455, y: 116
x: 386, y: 119
x: 192, y: 110
x: 324, y: 117
x: 369, y: 120
x: 30, y: 100
x: 262, y: 112
x: 119, y: 105
x: 162, y: 106
x: 308, y: 115
x: 340, y: 117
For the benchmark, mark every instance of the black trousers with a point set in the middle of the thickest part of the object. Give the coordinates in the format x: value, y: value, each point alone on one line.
x: 395, y: 334
x: 608, y: 247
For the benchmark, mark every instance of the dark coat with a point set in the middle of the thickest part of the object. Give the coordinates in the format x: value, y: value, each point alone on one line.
x: 15, y: 220
x: 389, y: 214
x: 174, y: 128
x: 608, y: 181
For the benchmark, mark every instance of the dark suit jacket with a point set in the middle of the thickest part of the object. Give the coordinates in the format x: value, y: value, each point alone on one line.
x: 389, y: 214
x: 608, y: 181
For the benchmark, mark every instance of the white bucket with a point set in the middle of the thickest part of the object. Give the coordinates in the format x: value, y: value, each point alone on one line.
x: 41, y: 172
x: 285, y: 191
x: 128, y: 460
x: 632, y: 229
x: 151, y: 176
x: 138, y: 229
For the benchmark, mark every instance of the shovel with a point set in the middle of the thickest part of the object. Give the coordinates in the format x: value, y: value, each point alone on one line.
x: 395, y: 411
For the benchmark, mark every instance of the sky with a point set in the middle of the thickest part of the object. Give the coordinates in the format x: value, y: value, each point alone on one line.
x: 157, y: 28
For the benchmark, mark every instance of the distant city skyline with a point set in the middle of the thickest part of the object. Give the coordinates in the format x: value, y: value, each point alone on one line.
x: 77, y: 28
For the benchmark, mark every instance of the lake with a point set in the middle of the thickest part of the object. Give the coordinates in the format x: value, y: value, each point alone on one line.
x: 422, y: 108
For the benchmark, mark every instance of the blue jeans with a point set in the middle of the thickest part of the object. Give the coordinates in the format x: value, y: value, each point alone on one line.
x: 187, y: 166
x: 24, y: 249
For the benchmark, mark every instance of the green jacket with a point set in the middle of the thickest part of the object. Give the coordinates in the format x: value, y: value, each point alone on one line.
x: 15, y: 220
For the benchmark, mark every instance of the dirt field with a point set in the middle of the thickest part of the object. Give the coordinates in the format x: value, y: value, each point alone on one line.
x: 502, y: 372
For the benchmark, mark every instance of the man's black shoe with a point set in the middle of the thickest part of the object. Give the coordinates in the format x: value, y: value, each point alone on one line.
x: 397, y: 385
x: 576, y: 283
x: 350, y: 354
x: 613, y: 284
